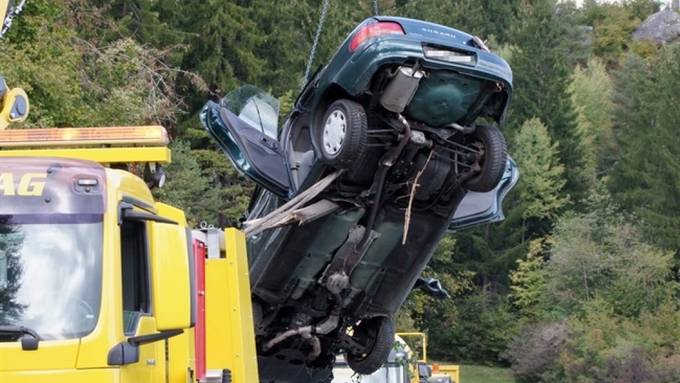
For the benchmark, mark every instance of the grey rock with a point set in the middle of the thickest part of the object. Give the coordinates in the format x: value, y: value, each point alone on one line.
x: 662, y: 27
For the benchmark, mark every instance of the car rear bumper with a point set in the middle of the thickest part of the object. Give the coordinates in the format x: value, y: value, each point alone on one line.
x: 392, y: 50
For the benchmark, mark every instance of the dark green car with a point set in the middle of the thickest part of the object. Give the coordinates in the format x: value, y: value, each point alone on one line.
x: 390, y: 145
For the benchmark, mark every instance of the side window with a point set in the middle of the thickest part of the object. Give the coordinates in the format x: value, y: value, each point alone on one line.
x: 135, y: 271
x: 3, y: 269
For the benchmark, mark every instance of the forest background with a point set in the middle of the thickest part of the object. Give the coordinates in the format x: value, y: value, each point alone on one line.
x: 579, y: 283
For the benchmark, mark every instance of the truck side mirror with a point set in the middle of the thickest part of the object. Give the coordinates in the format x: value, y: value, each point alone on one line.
x: 424, y: 371
x: 14, y: 105
x: 170, y: 276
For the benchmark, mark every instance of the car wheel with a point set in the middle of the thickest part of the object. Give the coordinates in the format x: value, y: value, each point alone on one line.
x: 378, y: 334
x: 342, y: 137
x: 493, y: 160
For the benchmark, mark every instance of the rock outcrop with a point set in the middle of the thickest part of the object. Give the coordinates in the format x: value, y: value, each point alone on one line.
x: 662, y: 27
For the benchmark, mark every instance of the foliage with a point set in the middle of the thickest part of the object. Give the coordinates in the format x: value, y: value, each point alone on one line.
x: 74, y: 83
x: 535, y: 352
x: 587, y: 111
x: 473, y: 325
x: 11, y: 272
x: 606, y: 261
x: 592, y: 91
x: 540, y: 188
x: 477, y: 327
x: 647, y: 116
x: 606, y: 347
x: 528, y: 280
x: 484, y: 18
x: 541, y: 65
x: 613, y: 25
x: 221, y: 48
x: 596, y: 306
x: 188, y: 188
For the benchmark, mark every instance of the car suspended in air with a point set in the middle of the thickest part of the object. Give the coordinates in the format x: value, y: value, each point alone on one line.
x: 390, y: 145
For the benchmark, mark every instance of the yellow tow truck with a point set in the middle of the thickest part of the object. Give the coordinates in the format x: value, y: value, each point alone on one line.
x: 420, y: 370
x: 98, y: 281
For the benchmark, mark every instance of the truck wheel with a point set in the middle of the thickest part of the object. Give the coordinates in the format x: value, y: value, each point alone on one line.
x: 342, y: 137
x: 378, y: 334
x: 493, y: 160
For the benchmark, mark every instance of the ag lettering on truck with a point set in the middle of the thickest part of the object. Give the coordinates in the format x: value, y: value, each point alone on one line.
x: 30, y: 184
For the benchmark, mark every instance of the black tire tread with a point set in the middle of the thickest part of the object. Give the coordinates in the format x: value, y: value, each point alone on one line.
x: 382, y: 346
x: 496, y: 155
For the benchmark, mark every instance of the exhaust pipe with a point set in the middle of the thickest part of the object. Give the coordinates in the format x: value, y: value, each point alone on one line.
x: 401, y: 89
x: 309, y: 332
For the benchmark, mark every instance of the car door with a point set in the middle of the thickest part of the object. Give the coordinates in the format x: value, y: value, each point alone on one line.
x: 481, y: 208
x: 245, y: 126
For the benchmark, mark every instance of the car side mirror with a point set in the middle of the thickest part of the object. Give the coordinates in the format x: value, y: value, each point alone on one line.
x: 171, y: 270
x: 432, y: 287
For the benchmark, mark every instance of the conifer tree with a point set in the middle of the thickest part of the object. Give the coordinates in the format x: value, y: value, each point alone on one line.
x: 645, y: 178
x: 222, y: 50
x: 540, y: 187
x: 542, y: 67
x: 591, y: 91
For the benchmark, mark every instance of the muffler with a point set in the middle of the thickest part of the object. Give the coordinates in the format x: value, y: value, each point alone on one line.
x: 401, y: 89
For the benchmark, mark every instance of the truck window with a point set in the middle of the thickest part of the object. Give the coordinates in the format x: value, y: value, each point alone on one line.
x: 3, y: 269
x: 135, y: 272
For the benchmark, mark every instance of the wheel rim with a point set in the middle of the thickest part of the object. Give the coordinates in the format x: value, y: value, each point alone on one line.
x: 334, y: 132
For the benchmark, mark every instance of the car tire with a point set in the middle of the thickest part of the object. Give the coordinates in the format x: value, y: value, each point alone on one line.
x: 378, y: 332
x: 342, y: 137
x: 493, y: 161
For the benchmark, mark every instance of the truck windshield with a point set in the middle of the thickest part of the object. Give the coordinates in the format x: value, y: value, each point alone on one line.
x: 50, y: 274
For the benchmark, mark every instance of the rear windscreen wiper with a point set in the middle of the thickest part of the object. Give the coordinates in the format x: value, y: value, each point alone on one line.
x: 29, y: 338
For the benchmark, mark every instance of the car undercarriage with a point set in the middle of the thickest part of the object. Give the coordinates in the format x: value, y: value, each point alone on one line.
x: 371, y: 178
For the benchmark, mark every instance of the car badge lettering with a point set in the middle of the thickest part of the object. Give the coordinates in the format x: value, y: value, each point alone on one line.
x: 440, y: 33
x: 30, y: 184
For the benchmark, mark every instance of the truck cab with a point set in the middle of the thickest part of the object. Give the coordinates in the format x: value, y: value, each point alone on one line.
x: 99, y: 282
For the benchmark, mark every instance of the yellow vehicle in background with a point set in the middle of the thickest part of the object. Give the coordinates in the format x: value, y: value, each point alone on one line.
x: 98, y: 281
x: 407, y: 363
x: 420, y: 370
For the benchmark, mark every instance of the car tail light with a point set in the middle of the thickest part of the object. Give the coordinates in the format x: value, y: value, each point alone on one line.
x: 369, y: 31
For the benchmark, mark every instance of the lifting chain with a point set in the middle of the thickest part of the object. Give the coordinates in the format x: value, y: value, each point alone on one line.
x: 315, y: 43
x: 317, y: 36
x: 12, y: 12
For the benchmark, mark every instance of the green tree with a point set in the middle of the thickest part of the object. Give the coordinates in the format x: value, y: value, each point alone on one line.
x: 485, y: 18
x: 542, y: 69
x: 146, y: 21
x: 11, y: 272
x: 538, y: 198
x: 612, y: 33
x: 188, y: 188
x: 222, y: 50
x: 528, y: 280
x: 647, y: 117
x: 591, y: 91
x: 76, y: 82
x: 540, y: 190
x: 613, y: 24
x: 597, y: 308
x: 599, y: 257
